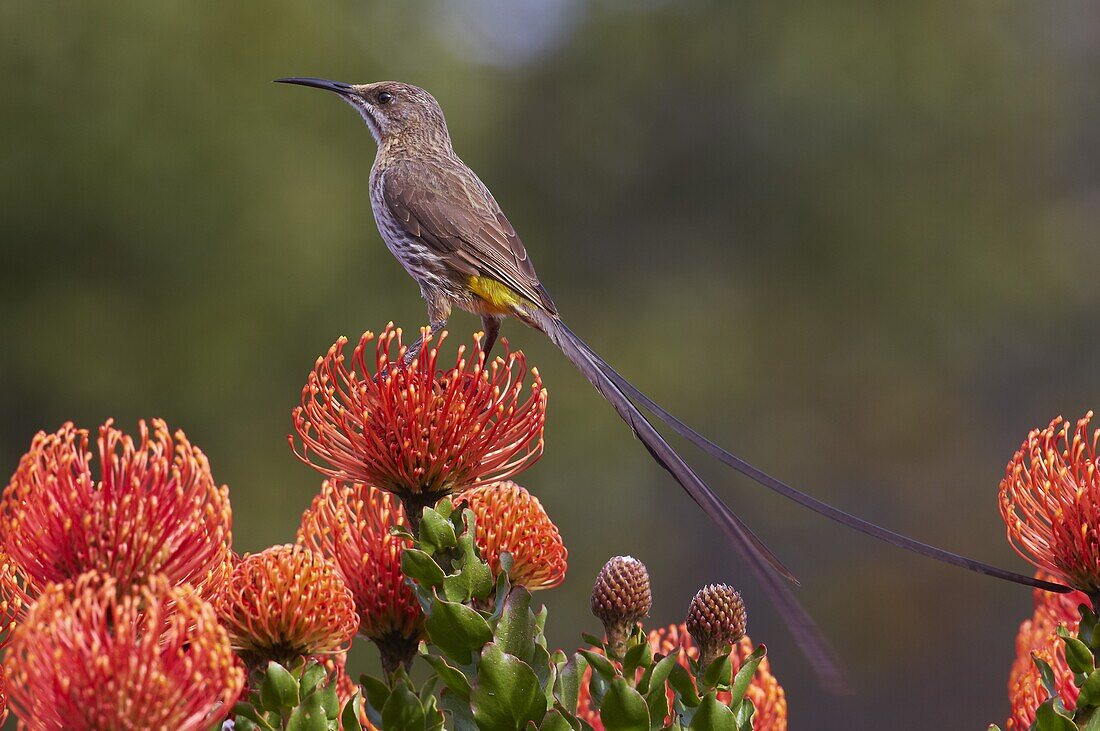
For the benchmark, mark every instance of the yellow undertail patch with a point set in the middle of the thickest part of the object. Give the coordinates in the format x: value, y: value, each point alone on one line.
x: 499, y: 298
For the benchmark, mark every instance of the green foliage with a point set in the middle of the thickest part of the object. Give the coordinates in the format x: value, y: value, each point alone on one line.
x: 486, y: 649
x: 299, y: 698
x: 1082, y: 651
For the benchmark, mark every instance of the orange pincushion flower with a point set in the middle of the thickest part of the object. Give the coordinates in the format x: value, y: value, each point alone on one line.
x: 154, y: 509
x: 508, y: 518
x: 3, y: 697
x: 764, y: 691
x: 1039, y: 635
x: 350, y: 525
x: 419, y: 431
x: 1050, y: 502
x: 286, y: 602
x: 95, y: 654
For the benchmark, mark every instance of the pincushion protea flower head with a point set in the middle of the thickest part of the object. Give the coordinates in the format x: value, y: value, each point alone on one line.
x: 350, y: 525
x: 97, y: 654
x: 510, y: 519
x: 419, y: 431
x: 287, y: 602
x: 1039, y: 635
x: 1050, y: 502
x: 151, y: 507
x: 3, y: 697
x: 764, y: 691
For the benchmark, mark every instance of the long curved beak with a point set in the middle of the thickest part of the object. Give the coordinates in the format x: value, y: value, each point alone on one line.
x: 338, y: 86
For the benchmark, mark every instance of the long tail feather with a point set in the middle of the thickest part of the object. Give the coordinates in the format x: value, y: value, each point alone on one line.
x: 822, y: 508
x: 767, y: 569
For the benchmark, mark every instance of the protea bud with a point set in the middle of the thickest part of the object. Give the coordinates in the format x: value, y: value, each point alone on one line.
x: 620, y: 597
x: 716, y: 619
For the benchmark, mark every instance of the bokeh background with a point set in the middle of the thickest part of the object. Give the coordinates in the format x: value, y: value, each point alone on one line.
x: 854, y: 242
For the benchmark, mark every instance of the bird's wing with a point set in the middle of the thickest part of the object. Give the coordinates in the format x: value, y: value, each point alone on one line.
x: 446, y: 206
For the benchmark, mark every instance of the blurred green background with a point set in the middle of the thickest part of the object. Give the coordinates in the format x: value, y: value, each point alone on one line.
x: 854, y: 242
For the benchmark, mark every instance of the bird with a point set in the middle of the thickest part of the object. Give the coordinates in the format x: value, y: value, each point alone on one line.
x: 444, y: 226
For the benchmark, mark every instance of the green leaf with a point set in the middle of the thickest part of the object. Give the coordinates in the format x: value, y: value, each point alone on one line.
x: 623, y: 708
x: 743, y: 678
x: 436, y: 532
x: 457, y: 630
x: 309, y: 716
x: 600, y: 664
x: 681, y: 682
x: 403, y: 711
x: 1046, y: 675
x: 592, y: 640
x: 376, y: 694
x: 349, y: 718
x: 545, y: 671
x: 312, y: 677
x: 1093, y: 723
x: 656, y: 676
x: 567, y: 687
x: 329, y: 702
x: 1048, y: 719
x: 1090, y: 691
x: 744, y: 713
x: 718, y: 673
x: 241, y: 723
x: 637, y: 656
x: 279, y: 689
x: 1078, y: 655
x: 1088, y: 623
x: 461, y: 715
x: 554, y: 721
x: 506, y: 693
x: 452, y: 677
x: 420, y: 567
x: 515, y: 632
x: 713, y: 715
x: 657, y: 700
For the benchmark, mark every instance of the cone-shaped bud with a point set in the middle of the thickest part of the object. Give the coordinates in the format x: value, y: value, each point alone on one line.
x: 620, y: 597
x: 716, y: 619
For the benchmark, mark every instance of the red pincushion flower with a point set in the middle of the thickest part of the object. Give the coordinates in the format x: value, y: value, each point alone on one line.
x: 510, y: 519
x: 1050, y: 502
x: 764, y: 691
x: 95, y: 654
x: 287, y: 602
x: 3, y: 697
x: 154, y: 509
x: 419, y: 431
x: 350, y: 524
x: 1039, y: 635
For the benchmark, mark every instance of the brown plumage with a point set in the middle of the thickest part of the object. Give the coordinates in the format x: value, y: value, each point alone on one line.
x: 444, y: 226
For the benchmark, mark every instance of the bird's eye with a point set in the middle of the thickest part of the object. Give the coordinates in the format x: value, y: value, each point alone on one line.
x: 384, y: 97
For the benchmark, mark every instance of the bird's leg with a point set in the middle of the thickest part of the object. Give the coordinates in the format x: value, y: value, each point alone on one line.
x: 413, y: 350
x: 491, y: 325
x: 439, y: 310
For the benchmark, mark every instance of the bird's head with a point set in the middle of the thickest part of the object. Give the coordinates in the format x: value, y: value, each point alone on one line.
x: 392, y: 109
